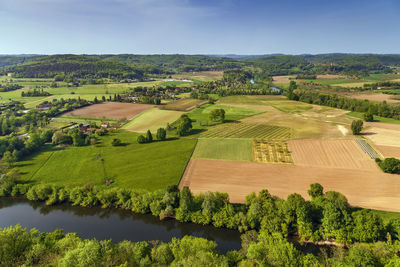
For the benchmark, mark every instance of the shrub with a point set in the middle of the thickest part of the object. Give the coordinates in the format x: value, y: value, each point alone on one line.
x: 368, y: 116
x: 149, y: 136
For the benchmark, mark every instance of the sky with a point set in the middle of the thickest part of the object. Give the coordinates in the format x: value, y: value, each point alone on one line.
x: 199, y: 26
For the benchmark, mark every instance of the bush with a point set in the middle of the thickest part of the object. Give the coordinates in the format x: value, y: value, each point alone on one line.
x: 149, y: 136
x: 368, y: 116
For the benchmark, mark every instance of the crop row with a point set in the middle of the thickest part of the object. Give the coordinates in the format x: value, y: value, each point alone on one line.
x: 245, y: 130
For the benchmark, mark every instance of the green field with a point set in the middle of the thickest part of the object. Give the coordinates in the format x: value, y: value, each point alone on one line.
x: 231, y: 113
x: 248, y: 130
x: 360, y: 115
x: 224, y: 149
x: 152, y: 119
x: 141, y: 166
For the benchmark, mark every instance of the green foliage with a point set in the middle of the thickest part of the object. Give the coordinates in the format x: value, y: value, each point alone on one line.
x: 368, y: 227
x: 368, y: 116
x: 116, y: 142
x: 149, y: 136
x: 184, y: 125
x: 161, y: 134
x: 316, y: 190
x: 141, y: 139
x: 357, y: 126
x: 390, y: 165
x: 217, y: 115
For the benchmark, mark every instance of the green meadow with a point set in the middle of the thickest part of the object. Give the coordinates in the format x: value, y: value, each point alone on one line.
x: 143, y: 166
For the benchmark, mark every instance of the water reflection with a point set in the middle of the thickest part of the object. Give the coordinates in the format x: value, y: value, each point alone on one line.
x: 112, y: 224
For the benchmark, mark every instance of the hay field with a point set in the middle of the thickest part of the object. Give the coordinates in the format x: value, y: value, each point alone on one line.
x: 248, y: 130
x: 223, y: 149
x: 376, y: 97
x: 364, y: 188
x: 183, y: 104
x: 152, y: 119
x: 113, y: 110
x: 389, y: 151
x: 345, y: 154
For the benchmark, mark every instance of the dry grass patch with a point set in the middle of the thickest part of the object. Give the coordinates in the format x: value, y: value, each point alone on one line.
x: 112, y: 110
x: 271, y: 152
x: 376, y: 97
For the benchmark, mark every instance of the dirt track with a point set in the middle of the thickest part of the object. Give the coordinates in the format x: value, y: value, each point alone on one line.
x: 364, y: 188
x: 112, y: 110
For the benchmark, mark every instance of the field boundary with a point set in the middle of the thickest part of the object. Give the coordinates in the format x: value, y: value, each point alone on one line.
x: 187, y: 169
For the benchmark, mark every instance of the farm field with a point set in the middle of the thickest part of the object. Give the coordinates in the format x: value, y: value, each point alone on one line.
x: 132, y: 165
x: 345, y: 154
x: 232, y: 113
x: 113, y: 110
x: 200, y: 76
x: 383, y: 134
x: 152, y: 119
x: 248, y: 130
x: 223, y: 149
x: 271, y: 152
x: 376, y: 97
x: 370, y: 188
x: 183, y: 104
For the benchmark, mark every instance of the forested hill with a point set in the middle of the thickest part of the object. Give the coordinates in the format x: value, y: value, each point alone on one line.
x: 325, y: 63
x: 17, y: 59
x: 74, y: 66
x: 179, y: 63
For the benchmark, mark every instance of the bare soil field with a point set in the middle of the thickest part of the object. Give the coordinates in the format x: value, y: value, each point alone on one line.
x: 389, y: 151
x: 112, y: 110
x: 330, y: 76
x: 376, y: 97
x: 183, y: 104
x: 383, y: 136
x: 345, y: 154
x: 282, y: 79
x: 364, y: 188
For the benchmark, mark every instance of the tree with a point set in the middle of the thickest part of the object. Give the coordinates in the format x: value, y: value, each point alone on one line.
x: 161, y: 134
x: 184, y: 126
x: 116, y: 142
x: 368, y: 227
x: 141, y: 139
x: 390, y: 165
x: 357, y: 126
x: 149, y: 136
x: 316, y: 190
x: 217, y: 115
x: 9, y: 158
x: 368, y: 116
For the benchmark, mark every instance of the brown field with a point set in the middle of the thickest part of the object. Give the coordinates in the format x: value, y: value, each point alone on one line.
x: 376, y: 97
x: 330, y: 76
x: 383, y: 135
x: 389, y: 151
x: 363, y: 188
x: 112, y: 110
x: 345, y: 154
x: 184, y: 104
x: 282, y: 79
x: 271, y: 151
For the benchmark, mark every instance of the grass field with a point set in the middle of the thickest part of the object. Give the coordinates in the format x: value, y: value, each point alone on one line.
x: 271, y: 152
x: 141, y: 166
x: 224, y: 149
x: 152, y: 119
x: 231, y: 113
x: 360, y: 115
x: 247, y: 130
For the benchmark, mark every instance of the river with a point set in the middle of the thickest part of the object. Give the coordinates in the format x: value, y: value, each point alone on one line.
x: 114, y: 224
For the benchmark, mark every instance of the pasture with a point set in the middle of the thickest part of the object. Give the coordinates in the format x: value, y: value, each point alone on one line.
x: 152, y: 119
x: 113, y: 110
x: 223, y: 149
x: 132, y: 165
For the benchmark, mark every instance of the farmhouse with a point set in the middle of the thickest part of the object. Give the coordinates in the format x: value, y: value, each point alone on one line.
x: 105, y: 124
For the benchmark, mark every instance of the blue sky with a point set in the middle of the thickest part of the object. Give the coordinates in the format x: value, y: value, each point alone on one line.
x: 199, y: 27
